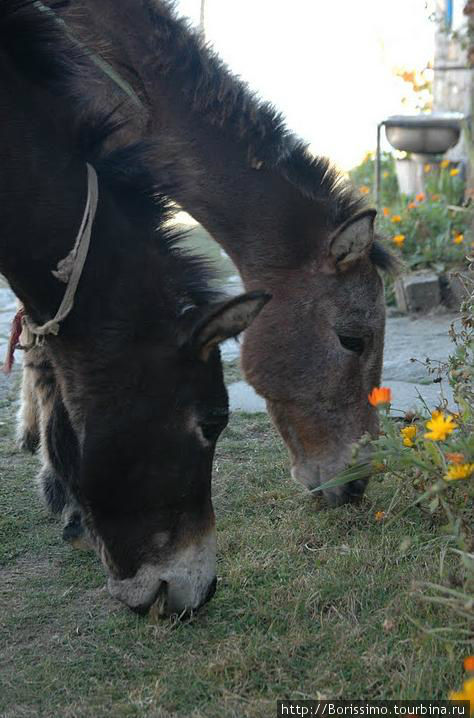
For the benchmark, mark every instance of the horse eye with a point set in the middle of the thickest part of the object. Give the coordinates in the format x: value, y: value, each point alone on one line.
x: 353, y: 344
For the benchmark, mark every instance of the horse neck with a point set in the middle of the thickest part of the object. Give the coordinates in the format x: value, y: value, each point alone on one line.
x: 249, y: 209
x: 43, y: 191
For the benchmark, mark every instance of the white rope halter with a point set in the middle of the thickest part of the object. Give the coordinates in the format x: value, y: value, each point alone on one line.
x: 70, y: 268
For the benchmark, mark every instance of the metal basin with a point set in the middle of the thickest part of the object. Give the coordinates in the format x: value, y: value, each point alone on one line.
x: 432, y: 134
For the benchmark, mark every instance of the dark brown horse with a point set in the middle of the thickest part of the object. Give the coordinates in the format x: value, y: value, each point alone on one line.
x: 131, y: 388
x: 288, y: 220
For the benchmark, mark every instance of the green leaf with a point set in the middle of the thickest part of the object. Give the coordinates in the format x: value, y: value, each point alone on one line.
x: 434, y: 454
x: 434, y: 504
x: 352, y: 473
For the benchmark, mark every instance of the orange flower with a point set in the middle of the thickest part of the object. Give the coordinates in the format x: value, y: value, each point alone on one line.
x: 458, y: 238
x: 398, y: 239
x: 456, y: 458
x: 380, y: 395
x: 454, y: 172
x: 420, y: 197
x: 411, y: 205
x: 364, y: 189
x: 396, y: 218
x: 379, y: 516
x: 386, y: 212
x: 469, y: 664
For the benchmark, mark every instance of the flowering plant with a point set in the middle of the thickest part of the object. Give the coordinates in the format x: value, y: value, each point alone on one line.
x: 430, y: 229
x: 431, y: 456
x: 363, y: 177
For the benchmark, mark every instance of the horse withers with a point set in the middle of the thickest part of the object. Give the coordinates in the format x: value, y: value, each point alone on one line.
x: 131, y: 398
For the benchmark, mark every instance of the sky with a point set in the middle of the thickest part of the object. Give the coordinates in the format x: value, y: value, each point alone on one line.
x: 328, y: 65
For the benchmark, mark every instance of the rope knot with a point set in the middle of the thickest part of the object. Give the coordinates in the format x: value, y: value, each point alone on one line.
x: 68, y: 271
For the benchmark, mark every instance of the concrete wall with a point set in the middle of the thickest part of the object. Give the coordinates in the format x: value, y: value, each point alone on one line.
x: 453, y: 89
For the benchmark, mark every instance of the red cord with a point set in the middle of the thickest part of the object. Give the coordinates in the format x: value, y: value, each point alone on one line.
x: 14, y: 341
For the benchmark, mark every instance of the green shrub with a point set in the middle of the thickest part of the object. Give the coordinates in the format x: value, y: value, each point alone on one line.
x: 363, y: 176
x: 432, y: 458
x: 430, y: 230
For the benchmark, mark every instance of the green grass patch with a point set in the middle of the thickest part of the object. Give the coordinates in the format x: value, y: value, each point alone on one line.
x: 311, y: 602
x: 232, y: 371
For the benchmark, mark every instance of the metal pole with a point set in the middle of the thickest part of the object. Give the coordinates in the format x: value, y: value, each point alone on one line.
x: 202, y: 21
x: 378, y: 168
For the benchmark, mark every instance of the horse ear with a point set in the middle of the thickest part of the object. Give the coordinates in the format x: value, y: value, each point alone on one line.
x: 226, y: 320
x: 352, y: 241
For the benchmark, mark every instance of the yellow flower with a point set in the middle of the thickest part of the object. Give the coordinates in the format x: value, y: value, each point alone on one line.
x: 385, y: 174
x: 467, y: 694
x: 458, y: 238
x: 427, y: 168
x: 396, y: 218
x: 380, y: 395
x: 454, y: 172
x: 459, y: 471
x: 386, y: 212
x: 379, y: 516
x: 408, y: 433
x: 364, y: 189
x: 398, y: 239
x: 444, y: 164
x: 440, y: 426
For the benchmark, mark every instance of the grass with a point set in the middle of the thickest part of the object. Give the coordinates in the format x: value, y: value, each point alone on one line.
x: 232, y: 371
x: 311, y: 602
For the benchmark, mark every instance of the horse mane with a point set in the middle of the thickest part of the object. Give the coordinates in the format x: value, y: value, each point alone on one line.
x: 45, y: 55
x: 49, y: 57
x: 225, y: 101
